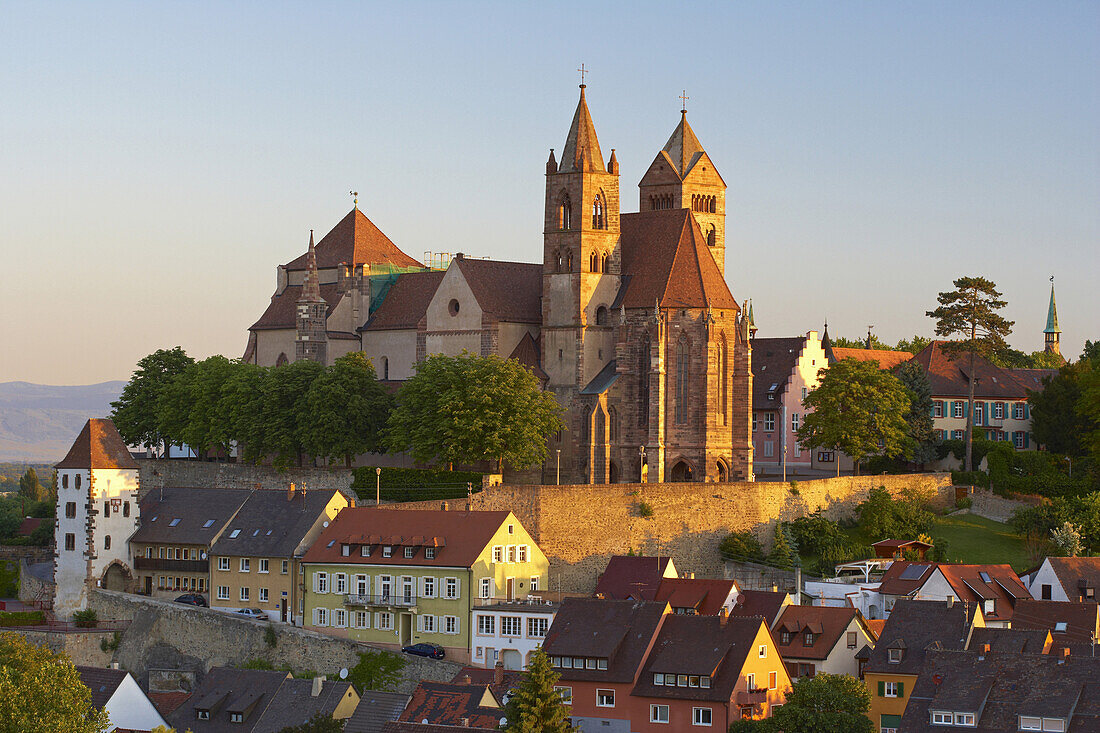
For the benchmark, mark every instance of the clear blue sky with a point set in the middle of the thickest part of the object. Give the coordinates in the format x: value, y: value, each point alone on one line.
x: 158, y: 160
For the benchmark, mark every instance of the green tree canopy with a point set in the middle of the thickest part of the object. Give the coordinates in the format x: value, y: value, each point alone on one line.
x: 883, y: 517
x: 914, y: 345
x: 135, y: 413
x: 535, y: 706
x: 464, y: 409
x: 1088, y: 407
x: 918, y: 417
x: 319, y: 723
x: 781, y: 554
x: 859, y: 409
x: 347, y: 410
x: 825, y: 703
x: 30, y: 487
x: 41, y: 692
x: 969, y: 314
x: 1057, y: 421
x: 286, y: 391
x: 242, y: 409
x: 189, y: 408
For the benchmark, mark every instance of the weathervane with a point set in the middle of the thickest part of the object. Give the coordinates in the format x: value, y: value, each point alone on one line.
x: 684, y: 100
x: 354, y: 198
x: 583, y: 72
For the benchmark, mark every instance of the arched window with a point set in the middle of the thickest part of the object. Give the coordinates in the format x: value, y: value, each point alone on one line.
x: 712, y: 237
x: 713, y: 204
x: 593, y: 262
x: 282, y: 360
x: 385, y: 368
x: 601, y: 316
x: 723, y: 377
x: 643, y: 381
x: 565, y: 213
x: 605, y: 262
x: 569, y: 262
x: 598, y: 220
x: 681, y: 413
x: 558, y: 263
x: 612, y: 425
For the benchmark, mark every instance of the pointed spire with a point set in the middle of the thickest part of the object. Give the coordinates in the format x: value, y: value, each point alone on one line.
x: 1052, y: 312
x: 683, y: 146
x: 311, y: 286
x: 582, y: 148
x: 752, y: 321
x: 613, y: 164
x: 551, y: 163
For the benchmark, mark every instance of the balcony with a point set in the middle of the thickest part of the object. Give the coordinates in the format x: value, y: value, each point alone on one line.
x: 383, y: 601
x: 174, y: 566
x: 754, y: 696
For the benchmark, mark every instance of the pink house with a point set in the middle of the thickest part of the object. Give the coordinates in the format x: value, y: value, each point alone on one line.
x: 784, y: 370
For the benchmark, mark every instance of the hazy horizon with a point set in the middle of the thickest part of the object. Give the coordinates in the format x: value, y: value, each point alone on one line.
x: 164, y: 158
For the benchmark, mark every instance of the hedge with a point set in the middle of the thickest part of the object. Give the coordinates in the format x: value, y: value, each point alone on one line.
x: 415, y: 484
x: 22, y: 618
x: 970, y: 478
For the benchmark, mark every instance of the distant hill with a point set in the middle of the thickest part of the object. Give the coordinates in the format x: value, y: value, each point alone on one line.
x: 38, y: 422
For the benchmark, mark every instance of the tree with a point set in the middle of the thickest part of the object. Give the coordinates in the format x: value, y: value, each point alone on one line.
x: 1088, y: 407
x: 844, y: 343
x: 41, y: 692
x: 464, y: 409
x: 914, y: 345
x: 135, y: 411
x: 882, y: 517
x: 189, y: 406
x: 535, y: 706
x: 781, y: 554
x: 346, y: 410
x: 741, y: 546
x: 1067, y: 539
x: 825, y: 703
x: 376, y: 670
x: 319, y: 723
x: 242, y: 408
x: 859, y: 409
x: 30, y: 488
x: 919, y: 416
x: 286, y: 390
x: 1056, y: 420
x: 970, y: 312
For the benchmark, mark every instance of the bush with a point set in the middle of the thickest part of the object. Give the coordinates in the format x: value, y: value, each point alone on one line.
x: 376, y: 671
x: 883, y: 517
x: 645, y: 510
x: 86, y: 619
x: 112, y: 645
x: 258, y: 663
x: 741, y: 546
x: 22, y: 618
x: 970, y: 478
x: 964, y: 503
x: 269, y: 636
x: 414, y: 484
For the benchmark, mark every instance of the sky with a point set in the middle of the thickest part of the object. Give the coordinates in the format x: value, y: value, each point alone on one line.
x: 159, y: 160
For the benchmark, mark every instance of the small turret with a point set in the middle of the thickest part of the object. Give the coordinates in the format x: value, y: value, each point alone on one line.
x: 752, y: 322
x: 551, y: 164
x: 613, y: 164
x: 1052, y: 334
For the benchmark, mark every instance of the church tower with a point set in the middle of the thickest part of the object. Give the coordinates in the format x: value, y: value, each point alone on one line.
x: 581, y: 258
x: 682, y: 176
x: 311, y: 341
x: 1052, y: 334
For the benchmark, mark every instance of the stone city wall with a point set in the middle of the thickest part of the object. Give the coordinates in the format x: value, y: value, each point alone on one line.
x: 208, y: 475
x: 83, y: 647
x: 166, y: 635
x: 580, y: 527
x: 987, y: 504
x: 29, y: 553
x: 32, y: 588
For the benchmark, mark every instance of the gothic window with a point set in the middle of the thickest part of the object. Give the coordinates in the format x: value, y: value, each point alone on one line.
x: 558, y: 262
x: 601, y: 316
x: 723, y: 377
x: 682, y: 380
x: 643, y: 381
x: 385, y: 368
x: 605, y: 262
x: 711, y: 237
x: 569, y: 262
x: 613, y: 425
x: 593, y: 262
x: 565, y: 213
x: 713, y: 204
x: 598, y: 220
x: 282, y: 360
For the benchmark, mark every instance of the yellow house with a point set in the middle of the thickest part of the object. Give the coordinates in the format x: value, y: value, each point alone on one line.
x: 393, y: 577
x: 895, y: 663
x: 256, y: 561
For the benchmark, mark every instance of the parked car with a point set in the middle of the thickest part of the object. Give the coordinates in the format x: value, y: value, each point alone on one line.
x: 193, y: 599
x: 256, y: 613
x: 424, y: 650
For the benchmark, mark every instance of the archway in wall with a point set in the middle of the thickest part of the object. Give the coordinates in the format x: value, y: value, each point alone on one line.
x: 117, y: 577
x: 723, y: 473
x: 613, y: 473
x: 282, y: 360
x: 512, y: 659
x: 681, y: 471
x: 599, y: 446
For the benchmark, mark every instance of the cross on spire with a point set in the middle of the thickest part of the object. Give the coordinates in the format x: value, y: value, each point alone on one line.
x: 583, y: 72
x: 684, y: 101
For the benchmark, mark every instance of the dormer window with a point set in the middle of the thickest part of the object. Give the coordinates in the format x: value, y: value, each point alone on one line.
x: 387, y: 551
x: 429, y: 553
x: 345, y: 550
x: 1029, y: 722
x: 990, y: 606
x: 203, y: 714
x: 785, y: 638
x: 364, y: 551
x: 808, y: 639
x: 236, y: 717
x: 410, y: 552
x: 895, y: 656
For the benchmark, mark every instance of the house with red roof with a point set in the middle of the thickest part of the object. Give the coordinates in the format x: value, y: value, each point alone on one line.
x: 636, y: 666
x: 995, y: 589
x: 634, y: 576
x: 1067, y: 579
x: 117, y: 693
x: 815, y: 639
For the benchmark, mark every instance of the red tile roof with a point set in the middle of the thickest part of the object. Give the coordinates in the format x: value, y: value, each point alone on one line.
x: 98, y: 446
x: 439, y: 703
x: 763, y: 603
x: 886, y: 359
x: 618, y: 631
x: 355, y: 240
x: 166, y: 702
x: 666, y: 259
x: 28, y: 526
x: 827, y: 623
x: 282, y: 310
x: 406, y: 302
x: 894, y: 585
x: 773, y: 360
x: 459, y: 537
x: 527, y: 353
x: 505, y: 291
x: 1076, y: 573
x: 705, y: 595
x: 949, y: 377
x: 629, y: 576
x: 1081, y: 619
x: 1004, y: 587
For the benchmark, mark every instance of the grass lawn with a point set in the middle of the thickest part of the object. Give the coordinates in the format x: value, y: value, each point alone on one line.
x: 976, y: 540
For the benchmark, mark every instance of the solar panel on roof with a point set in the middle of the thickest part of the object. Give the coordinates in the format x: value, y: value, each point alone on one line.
x: 913, y: 572
x: 984, y: 576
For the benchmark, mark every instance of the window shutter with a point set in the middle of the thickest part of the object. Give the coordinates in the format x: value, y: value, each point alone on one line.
x: 901, y: 689
x: 932, y: 410
x: 458, y: 587
x: 1027, y: 411
x: 458, y: 624
x: 966, y: 409
x: 881, y: 689
x: 1027, y: 439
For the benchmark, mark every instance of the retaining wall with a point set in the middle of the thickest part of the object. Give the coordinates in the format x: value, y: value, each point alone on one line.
x: 166, y: 635
x: 581, y: 527
x: 83, y: 647
x: 986, y: 504
x: 208, y: 475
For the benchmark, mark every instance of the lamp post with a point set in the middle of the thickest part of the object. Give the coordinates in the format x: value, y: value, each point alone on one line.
x: 784, y: 463
x: 641, y: 464
x: 557, y: 470
x: 377, y: 485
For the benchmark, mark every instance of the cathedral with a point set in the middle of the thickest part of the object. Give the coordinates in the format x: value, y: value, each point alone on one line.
x: 628, y: 319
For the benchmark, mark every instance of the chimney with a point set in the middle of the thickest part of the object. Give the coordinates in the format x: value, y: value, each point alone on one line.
x: 950, y: 601
x: 723, y: 617
x: 464, y: 722
x: 290, y: 492
x: 985, y: 648
x: 498, y: 673
x: 775, y: 588
x: 318, y: 683
x: 459, y: 255
x: 1064, y: 652
x: 466, y: 679
x: 798, y: 585
x: 445, y: 506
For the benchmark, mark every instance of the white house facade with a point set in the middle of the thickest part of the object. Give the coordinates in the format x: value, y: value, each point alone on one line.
x: 509, y: 631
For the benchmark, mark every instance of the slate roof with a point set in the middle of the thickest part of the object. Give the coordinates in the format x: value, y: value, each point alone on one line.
x: 1011, y: 641
x: 355, y: 240
x: 282, y: 310
x: 441, y: 703
x: 949, y: 377
x: 667, y: 258
x: 632, y: 576
x: 764, y: 603
x: 582, y: 148
x: 271, y: 524
x: 1081, y: 619
x: 999, y: 688
x: 1077, y: 573
x: 459, y: 537
x: 828, y: 624
x: 406, y: 302
x: 102, y: 682
x: 705, y: 595
x: 915, y: 626
x: 604, y: 379
x: 699, y: 645
x: 375, y: 709
x: 619, y: 631
x: 527, y: 353
x: 683, y: 148
x: 193, y: 508
x: 505, y: 291
x: 406, y: 727
x: 294, y: 703
x: 773, y: 360
x: 886, y: 358
x: 98, y: 446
